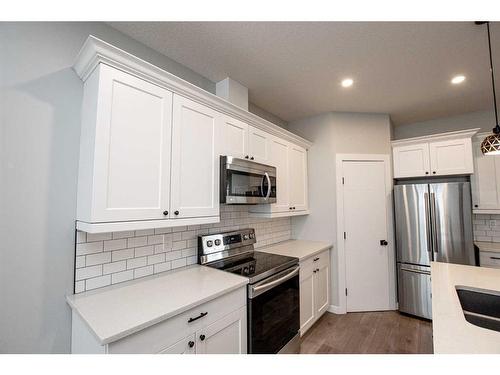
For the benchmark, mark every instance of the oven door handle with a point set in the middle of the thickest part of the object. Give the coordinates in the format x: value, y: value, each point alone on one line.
x: 259, y: 289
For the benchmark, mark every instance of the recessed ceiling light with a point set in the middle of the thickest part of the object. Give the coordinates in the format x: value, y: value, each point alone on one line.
x: 458, y: 79
x: 347, y: 82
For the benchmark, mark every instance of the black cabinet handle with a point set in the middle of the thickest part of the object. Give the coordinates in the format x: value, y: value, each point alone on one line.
x: 315, y: 259
x: 198, y: 317
x: 383, y: 243
x: 165, y: 213
x: 314, y: 271
x: 191, y: 344
x: 317, y: 269
x: 176, y: 212
x: 251, y: 158
x: 202, y: 337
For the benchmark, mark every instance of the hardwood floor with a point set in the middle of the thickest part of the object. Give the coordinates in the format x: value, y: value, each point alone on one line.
x: 368, y: 333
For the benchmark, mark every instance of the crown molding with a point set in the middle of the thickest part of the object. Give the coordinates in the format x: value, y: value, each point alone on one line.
x: 469, y: 133
x: 96, y: 51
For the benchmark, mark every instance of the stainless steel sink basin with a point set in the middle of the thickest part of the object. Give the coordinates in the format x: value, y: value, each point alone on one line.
x: 481, y: 307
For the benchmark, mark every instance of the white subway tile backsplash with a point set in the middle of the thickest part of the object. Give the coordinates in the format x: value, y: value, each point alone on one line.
x: 110, y: 258
x: 485, y: 228
x: 97, y: 282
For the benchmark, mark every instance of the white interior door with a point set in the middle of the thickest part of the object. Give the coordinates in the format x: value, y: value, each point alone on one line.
x: 367, y: 262
x: 195, y: 160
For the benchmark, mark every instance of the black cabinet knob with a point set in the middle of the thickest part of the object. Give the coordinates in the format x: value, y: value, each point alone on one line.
x: 293, y: 208
x: 289, y: 208
x: 383, y: 243
x: 191, y: 344
x: 165, y: 213
x: 476, y: 205
x: 251, y: 158
x: 202, y: 337
x: 246, y: 156
x: 433, y: 172
x: 176, y: 213
x: 426, y: 172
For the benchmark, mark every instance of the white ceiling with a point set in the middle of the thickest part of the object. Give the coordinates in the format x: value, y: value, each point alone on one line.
x: 293, y: 69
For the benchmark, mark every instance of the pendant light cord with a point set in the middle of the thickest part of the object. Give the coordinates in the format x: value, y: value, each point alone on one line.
x: 496, y: 129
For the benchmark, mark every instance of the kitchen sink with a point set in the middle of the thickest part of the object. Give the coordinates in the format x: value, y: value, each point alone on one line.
x: 481, y: 307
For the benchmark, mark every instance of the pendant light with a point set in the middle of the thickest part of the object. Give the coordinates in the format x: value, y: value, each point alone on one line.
x: 491, y: 144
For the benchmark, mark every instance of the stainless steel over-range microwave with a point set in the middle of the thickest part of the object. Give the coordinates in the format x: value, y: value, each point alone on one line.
x: 246, y: 182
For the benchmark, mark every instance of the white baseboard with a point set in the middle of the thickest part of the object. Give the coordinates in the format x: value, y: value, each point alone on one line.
x: 335, y: 309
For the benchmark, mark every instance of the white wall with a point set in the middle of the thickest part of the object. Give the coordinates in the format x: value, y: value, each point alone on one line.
x: 484, y: 120
x: 332, y: 133
x: 40, y: 100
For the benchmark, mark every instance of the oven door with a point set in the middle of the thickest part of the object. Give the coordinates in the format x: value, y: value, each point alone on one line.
x: 273, y: 312
x: 246, y: 182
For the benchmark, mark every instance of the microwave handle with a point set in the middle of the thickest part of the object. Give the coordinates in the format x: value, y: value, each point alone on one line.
x: 268, y: 185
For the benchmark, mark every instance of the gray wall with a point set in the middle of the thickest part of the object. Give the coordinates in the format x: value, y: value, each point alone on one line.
x: 332, y: 133
x: 484, y: 120
x: 40, y: 130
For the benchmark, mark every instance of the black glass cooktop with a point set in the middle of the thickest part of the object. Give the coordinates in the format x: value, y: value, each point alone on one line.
x: 256, y: 266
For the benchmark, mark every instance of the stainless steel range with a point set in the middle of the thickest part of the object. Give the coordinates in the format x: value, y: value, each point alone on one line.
x: 273, y: 290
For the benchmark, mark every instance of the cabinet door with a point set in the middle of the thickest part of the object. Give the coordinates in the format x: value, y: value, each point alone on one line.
x: 258, y: 145
x: 451, y: 157
x: 132, y: 148
x: 195, y: 160
x: 184, y: 346
x: 485, y: 182
x: 411, y: 160
x: 321, y: 289
x: 228, y: 335
x: 279, y: 154
x: 235, y: 138
x: 297, y: 177
x: 307, y: 302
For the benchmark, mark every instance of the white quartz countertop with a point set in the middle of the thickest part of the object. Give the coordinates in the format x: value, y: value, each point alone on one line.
x: 493, y: 247
x: 297, y: 248
x: 120, y: 310
x: 451, y: 332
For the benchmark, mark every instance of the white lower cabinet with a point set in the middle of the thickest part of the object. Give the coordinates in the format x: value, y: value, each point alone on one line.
x: 489, y: 259
x: 314, y: 289
x: 218, y: 326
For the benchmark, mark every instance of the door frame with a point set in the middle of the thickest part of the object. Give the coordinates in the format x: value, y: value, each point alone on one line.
x: 341, y: 256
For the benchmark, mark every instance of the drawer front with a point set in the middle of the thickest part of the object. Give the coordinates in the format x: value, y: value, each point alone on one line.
x: 322, y: 259
x: 306, y: 268
x: 160, y: 336
x: 489, y: 259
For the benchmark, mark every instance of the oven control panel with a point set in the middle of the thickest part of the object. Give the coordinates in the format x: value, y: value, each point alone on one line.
x: 225, y: 241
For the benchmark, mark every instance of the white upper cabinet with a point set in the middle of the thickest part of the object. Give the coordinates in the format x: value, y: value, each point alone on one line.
x: 259, y: 144
x: 125, y: 149
x: 451, y: 157
x: 411, y: 161
x: 485, y: 181
x: 290, y: 161
x: 235, y: 137
x: 150, y: 145
x: 438, y: 155
x: 297, y: 176
x: 195, y: 160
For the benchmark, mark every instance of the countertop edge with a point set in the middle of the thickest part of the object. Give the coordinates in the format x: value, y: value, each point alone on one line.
x: 325, y: 246
x: 142, y: 326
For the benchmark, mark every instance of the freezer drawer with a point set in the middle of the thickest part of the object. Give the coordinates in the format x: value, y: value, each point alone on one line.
x: 414, y: 290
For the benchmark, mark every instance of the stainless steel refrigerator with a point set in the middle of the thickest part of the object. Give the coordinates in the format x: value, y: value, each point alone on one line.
x: 433, y: 223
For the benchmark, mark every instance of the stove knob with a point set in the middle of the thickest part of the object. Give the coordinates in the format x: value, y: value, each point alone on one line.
x: 252, y: 235
x: 209, y: 243
x: 245, y: 271
x: 245, y: 236
x: 252, y: 269
x: 217, y: 242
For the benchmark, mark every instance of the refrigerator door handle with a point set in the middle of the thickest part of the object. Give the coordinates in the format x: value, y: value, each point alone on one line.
x: 433, y: 221
x: 427, y: 223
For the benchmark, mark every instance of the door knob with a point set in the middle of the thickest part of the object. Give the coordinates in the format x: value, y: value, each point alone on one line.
x: 383, y: 243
